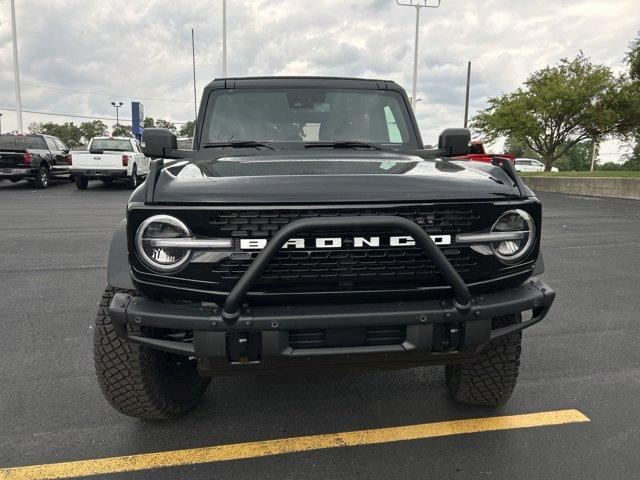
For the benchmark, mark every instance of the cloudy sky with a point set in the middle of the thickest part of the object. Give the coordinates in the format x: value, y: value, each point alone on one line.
x: 76, y: 56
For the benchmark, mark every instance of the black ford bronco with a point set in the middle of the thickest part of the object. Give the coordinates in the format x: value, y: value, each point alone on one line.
x: 309, y: 229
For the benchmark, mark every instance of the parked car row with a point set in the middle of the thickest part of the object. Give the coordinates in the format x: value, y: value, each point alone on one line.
x: 40, y: 158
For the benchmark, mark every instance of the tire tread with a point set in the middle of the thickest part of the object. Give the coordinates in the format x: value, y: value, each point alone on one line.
x: 491, y: 377
x: 131, y: 377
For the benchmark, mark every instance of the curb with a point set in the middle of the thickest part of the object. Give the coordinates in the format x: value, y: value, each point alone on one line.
x: 613, y: 187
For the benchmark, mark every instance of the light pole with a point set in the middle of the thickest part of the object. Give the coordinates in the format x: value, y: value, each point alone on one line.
x: 224, y: 38
x: 193, y: 57
x: 16, y: 71
x: 0, y: 123
x: 117, y: 107
x: 418, y: 5
x: 466, y: 98
x: 594, y: 147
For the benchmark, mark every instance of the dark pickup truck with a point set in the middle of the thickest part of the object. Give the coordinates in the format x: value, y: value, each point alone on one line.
x: 309, y: 229
x: 35, y: 158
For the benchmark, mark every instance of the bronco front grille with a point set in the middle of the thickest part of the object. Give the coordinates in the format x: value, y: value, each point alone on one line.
x: 320, y: 269
x: 346, y: 267
x: 262, y: 223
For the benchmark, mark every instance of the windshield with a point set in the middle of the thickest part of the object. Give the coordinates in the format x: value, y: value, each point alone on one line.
x: 118, y: 145
x: 308, y: 115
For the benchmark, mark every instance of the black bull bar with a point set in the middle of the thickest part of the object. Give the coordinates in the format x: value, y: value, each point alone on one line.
x: 461, y: 299
x: 476, y: 312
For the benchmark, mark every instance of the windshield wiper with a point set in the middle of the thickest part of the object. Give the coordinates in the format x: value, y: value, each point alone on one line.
x: 343, y: 144
x: 239, y: 144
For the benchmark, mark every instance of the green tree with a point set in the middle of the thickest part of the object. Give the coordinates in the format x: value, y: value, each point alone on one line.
x: 611, y: 166
x: 633, y: 59
x: 148, y: 122
x: 68, y: 132
x: 633, y: 159
x: 561, y: 106
x: 187, y: 129
x: 519, y: 149
x: 166, y: 124
x: 96, y: 128
x: 578, y: 157
x: 120, y: 130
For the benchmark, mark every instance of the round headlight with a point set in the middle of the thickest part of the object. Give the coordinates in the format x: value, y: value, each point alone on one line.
x: 152, y: 252
x: 512, y: 251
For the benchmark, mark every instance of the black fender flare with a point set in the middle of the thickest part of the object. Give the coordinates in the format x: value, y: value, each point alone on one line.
x: 118, y: 269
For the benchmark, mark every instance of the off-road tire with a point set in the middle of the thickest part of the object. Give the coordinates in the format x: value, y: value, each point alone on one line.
x: 42, y: 177
x: 81, y: 183
x: 138, y: 381
x: 491, y: 377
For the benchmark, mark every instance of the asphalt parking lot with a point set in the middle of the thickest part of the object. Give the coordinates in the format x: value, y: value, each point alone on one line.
x: 585, y: 356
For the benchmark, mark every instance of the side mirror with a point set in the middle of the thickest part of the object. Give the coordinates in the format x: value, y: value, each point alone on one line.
x: 456, y: 140
x: 157, y: 141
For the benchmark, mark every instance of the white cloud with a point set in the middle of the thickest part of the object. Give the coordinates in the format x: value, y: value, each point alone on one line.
x: 142, y: 49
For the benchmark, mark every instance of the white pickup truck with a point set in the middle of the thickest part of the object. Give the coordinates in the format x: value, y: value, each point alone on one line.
x: 109, y: 159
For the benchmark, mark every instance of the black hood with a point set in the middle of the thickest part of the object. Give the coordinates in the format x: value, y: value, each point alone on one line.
x: 327, y: 176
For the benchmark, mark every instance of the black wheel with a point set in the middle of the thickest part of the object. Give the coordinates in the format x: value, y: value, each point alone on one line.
x: 133, y: 179
x: 82, y: 182
x: 138, y: 381
x: 491, y: 377
x: 107, y: 181
x: 42, y: 177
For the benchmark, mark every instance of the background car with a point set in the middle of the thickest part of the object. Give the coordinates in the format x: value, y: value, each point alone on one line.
x: 531, y: 165
x: 109, y: 159
x: 35, y: 158
x: 477, y: 153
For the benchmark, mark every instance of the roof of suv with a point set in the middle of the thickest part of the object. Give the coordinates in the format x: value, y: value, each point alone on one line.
x: 290, y: 81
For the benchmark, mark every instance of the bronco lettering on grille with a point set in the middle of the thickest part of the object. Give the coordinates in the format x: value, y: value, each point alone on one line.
x: 337, y: 242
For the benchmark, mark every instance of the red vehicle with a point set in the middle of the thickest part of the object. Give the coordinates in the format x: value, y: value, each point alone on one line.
x: 478, y: 154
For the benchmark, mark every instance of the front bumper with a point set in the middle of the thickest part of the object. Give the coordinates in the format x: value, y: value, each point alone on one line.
x: 260, y: 337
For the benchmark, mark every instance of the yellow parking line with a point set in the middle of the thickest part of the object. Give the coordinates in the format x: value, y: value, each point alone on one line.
x: 237, y: 451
